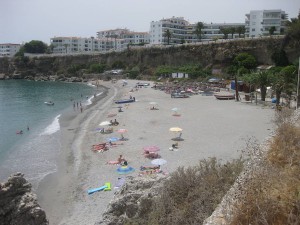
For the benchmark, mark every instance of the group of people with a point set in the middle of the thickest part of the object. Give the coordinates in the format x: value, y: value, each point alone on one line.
x: 21, y: 131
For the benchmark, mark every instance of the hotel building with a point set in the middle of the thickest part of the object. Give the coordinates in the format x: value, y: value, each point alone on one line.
x: 182, y: 31
x: 9, y: 50
x: 258, y: 22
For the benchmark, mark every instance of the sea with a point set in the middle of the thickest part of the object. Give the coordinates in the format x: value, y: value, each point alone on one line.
x: 22, y: 107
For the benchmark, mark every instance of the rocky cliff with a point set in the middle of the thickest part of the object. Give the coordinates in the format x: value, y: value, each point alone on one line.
x: 147, y: 59
x: 133, y: 200
x: 18, y: 205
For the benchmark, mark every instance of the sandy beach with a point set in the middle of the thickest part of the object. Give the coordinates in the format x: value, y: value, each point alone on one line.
x: 211, y: 128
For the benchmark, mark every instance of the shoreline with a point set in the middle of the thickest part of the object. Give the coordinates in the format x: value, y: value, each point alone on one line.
x: 210, y: 128
x: 50, y: 193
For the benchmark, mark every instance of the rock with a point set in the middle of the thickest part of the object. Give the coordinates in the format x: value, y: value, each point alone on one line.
x: 133, y: 200
x: 18, y: 205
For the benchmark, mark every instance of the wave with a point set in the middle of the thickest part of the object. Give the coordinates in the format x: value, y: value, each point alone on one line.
x: 53, y: 127
x: 89, y: 100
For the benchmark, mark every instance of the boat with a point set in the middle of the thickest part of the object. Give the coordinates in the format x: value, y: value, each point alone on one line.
x: 225, y: 97
x: 124, y: 101
x: 49, y: 103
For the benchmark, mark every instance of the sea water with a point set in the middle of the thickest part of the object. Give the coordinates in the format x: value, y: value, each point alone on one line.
x: 22, y: 107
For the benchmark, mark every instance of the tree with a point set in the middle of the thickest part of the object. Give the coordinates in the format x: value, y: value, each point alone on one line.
x: 279, y: 57
x: 241, y: 30
x: 225, y: 31
x: 232, y: 31
x: 293, y: 31
x: 168, y: 35
x: 198, y: 30
x: 262, y: 79
x: 272, y: 30
x: 35, y: 46
x: 245, y: 60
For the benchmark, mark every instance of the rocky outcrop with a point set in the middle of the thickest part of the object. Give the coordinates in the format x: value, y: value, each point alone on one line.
x: 133, y: 200
x: 18, y: 205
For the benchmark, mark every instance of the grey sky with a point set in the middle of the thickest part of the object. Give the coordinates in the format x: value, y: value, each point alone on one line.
x: 26, y: 20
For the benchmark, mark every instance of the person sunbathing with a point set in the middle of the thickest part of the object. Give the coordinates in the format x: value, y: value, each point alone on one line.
x: 121, y: 160
x: 148, y: 154
x: 150, y: 167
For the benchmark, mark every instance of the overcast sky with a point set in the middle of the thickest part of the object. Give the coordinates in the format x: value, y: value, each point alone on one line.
x: 26, y: 20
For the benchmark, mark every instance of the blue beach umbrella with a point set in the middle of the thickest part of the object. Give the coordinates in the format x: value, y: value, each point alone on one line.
x: 113, y: 139
x: 125, y: 169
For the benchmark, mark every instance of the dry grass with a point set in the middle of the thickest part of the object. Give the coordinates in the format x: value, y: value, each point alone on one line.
x: 192, y: 194
x: 271, y: 195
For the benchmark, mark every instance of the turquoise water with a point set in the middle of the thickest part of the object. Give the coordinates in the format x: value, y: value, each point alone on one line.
x: 22, y: 105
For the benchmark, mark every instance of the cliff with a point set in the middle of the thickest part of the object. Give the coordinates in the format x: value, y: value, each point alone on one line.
x: 18, y: 205
x: 147, y: 59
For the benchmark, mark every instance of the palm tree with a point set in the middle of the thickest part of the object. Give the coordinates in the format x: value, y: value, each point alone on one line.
x: 241, y: 30
x: 262, y: 79
x: 168, y: 35
x: 225, y: 31
x: 272, y: 30
x: 198, y: 30
x: 232, y: 31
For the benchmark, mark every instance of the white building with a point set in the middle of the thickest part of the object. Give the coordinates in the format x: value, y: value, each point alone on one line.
x: 258, y: 22
x: 9, y: 50
x: 136, y: 38
x: 71, y: 45
x: 112, y: 33
x: 182, y: 31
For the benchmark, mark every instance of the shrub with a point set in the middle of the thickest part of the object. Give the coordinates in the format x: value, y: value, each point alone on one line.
x: 191, y: 194
x: 271, y: 194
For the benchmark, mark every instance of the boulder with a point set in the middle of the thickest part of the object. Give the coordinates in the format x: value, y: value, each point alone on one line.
x: 18, y: 205
x: 133, y: 200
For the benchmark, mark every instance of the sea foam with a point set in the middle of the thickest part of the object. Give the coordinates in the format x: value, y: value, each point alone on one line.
x: 53, y: 127
x: 89, y: 100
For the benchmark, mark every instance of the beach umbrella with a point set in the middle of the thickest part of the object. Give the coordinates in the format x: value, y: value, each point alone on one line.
x: 122, y: 131
x: 175, y: 129
x: 113, y: 139
x: 158, y: 162
x: 151, y: 148
x: 125, y: 170
x: 175, y: 110
x: 105, y: 123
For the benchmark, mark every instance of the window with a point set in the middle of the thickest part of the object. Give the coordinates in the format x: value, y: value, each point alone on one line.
x: 253, y: 29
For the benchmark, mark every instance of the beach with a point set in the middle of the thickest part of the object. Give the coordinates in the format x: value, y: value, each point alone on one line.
x: 210, y: 128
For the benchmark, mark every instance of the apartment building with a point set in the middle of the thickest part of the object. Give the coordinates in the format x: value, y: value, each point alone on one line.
x: 71, y: 45
x: 183, y: 31
x: 112, y: 33
x: 136, y: 38
x: 9, y: 50
x: 259, y: 22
